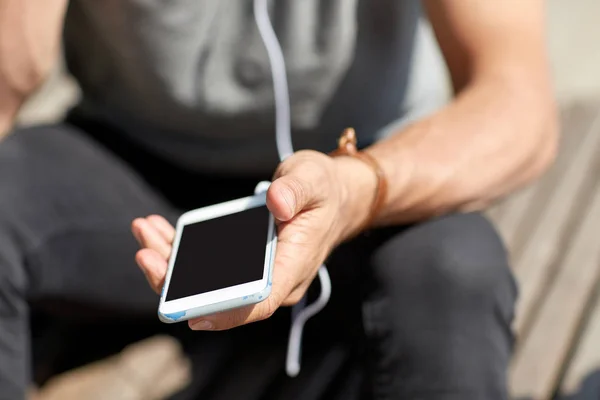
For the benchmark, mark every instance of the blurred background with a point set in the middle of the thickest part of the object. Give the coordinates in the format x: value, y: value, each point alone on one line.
x: 552, y: 229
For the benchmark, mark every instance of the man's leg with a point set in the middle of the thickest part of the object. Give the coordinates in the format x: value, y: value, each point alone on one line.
x: 65, y: 209
x: 438, y: 311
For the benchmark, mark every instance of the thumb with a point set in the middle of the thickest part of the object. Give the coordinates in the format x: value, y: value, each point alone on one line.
x: 287, y: 196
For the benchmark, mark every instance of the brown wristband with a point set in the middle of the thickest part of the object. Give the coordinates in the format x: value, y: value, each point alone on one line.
x: 347, y: 147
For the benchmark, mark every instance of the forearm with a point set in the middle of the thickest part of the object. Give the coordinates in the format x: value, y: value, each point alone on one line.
x: 30, y: 33
x: 496, y: 136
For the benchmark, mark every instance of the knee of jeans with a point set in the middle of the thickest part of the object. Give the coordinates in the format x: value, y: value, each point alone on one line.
x: 459, y: 256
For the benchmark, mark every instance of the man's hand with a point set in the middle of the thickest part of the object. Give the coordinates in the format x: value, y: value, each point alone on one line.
x: 317, y: 201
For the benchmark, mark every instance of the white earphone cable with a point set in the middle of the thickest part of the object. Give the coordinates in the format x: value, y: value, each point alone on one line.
x: 283, y: 137
x: 283, y: 134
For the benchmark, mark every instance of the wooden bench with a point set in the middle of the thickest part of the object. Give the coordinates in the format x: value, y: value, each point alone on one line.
x: 552, y: 229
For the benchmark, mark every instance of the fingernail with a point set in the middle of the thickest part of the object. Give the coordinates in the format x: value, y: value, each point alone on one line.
x: 202, y: 326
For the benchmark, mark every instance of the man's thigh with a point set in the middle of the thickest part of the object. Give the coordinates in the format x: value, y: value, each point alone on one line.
x: 66, y: 205
x: 437, y: 310
x: 420, y: 311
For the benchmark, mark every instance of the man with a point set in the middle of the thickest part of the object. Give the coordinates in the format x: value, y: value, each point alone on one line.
x: 177, y: 112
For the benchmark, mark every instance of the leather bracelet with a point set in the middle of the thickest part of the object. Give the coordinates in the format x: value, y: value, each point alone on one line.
x: 347, y: 147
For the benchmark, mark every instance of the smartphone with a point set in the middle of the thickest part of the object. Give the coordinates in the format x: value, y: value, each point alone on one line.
x: 222, y: 258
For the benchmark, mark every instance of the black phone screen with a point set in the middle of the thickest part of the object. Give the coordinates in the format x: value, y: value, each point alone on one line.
x: 220, y: 252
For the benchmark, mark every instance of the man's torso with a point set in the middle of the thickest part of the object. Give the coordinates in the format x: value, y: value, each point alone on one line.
x: 190, y: 79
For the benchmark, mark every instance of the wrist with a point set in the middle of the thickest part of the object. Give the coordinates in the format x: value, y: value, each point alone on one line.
x: 358, y: 186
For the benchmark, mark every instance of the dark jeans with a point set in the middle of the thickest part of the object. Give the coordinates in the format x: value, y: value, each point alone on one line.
x: 417, y: 312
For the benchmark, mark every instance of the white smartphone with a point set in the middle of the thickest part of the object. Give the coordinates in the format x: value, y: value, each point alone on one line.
x: 222, y: 258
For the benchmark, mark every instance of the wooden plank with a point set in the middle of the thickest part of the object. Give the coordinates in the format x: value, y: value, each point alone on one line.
x: 538, y: 361
x: 582, y: 380
x: 514, y: 212
x: 533, y: 267
x: 154, y: 368
x: 495, y: 211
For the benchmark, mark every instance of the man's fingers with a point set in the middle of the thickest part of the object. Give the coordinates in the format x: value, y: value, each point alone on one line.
x: 240, y: 316
x: 149, y: 237
x: 154, y: 267
x: 287, y: 196
x: 163, y: 227
x: 283, y: 283
x: 299, y: 183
